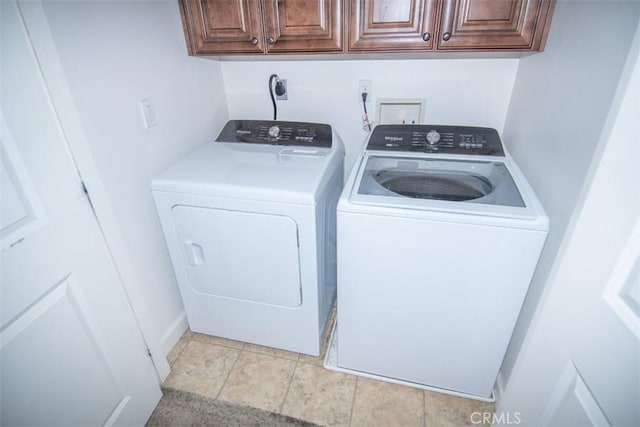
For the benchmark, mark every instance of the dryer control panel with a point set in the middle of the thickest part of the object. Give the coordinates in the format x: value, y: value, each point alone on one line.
x: 436, y: 139
x: 275, y: 132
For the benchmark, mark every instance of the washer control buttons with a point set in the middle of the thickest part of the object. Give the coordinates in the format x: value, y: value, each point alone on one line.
x: 431, y: 139
x: 468, y: 141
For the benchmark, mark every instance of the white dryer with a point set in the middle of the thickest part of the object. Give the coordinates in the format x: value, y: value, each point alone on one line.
x: 439, y: 235
x: 249, y: 222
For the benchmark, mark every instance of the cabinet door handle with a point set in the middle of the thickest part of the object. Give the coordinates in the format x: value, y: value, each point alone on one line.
x: 254, y: 41
x: 447, y: 19
x: 270, y: 40
x: 426, y: 36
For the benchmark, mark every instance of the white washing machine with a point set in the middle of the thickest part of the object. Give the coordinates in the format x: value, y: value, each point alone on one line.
x: 439, y: 235
x: 249, y: 221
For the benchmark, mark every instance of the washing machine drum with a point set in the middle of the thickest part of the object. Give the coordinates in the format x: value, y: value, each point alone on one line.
x: 463, y: 181
x: 435, y: 185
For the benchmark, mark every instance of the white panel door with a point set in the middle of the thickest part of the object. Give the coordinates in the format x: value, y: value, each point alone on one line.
x: 71, y: 352
x: 580, y: 362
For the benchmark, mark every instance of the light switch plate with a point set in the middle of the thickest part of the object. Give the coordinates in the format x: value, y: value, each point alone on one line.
x: 400, y: 111
x: 148, y: 113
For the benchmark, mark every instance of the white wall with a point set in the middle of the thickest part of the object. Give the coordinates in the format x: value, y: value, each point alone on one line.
x: 560, y: 102
x: 580, y: 360
x: 112, y: 55
x: 457, y: 91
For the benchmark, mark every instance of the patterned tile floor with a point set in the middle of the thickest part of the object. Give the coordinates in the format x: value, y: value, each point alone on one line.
x: 298, y: 385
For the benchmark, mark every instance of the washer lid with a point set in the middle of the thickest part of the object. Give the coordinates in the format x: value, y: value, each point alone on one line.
x: 477, y: 186
x: 252, y: 171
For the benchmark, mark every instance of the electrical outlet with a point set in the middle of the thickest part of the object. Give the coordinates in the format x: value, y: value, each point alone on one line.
x: 284, y: 96
x: 365, y: 86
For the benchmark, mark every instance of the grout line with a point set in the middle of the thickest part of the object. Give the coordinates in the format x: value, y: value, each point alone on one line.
x: 186, y: 344
x: 293, y: 374
x: 424, y: 408
x: 274, y: 355
x: 229, y: 373
x: 222, y: 342
x: 353, y: 400
x: 188, y: 341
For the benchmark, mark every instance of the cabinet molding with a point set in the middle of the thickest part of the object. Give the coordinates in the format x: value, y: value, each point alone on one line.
x: 309, y: 26
x: 493, y: 24
x: 383, y: 26
x: 222, y: 26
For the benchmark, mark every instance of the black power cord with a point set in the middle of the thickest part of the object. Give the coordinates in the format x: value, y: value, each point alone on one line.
x: 281, y: 89
x: 273, y: 99
x: 364, y: 105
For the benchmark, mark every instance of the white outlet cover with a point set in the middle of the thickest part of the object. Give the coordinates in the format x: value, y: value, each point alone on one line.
x: 365, y: 86
x: 148, y: 113
x: 400, y: 111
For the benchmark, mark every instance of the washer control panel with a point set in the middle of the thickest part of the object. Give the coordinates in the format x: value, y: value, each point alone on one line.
x: 277, y: 133
x: 436, y: 139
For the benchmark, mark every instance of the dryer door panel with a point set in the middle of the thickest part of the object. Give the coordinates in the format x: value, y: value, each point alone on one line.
x: 243, y: 255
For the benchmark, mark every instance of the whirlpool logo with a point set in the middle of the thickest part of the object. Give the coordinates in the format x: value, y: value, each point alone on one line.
x: 491, y: 418
x: 393, y: 138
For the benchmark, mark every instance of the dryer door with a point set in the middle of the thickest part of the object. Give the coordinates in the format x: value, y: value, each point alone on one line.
x: 244, y: 255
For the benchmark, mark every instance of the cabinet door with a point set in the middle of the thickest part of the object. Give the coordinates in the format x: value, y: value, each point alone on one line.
x: 222, y: 26
x: 391, y: 25
x: 494, y: 24
x: 303, y: 25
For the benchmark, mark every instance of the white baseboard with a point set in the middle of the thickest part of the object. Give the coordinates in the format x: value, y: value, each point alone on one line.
x: 173, y: 333
x: 498, y: 390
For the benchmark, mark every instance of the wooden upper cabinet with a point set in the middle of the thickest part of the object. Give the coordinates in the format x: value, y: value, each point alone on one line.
x: 494, y: 24
x: 306, y: 26
x: 215, y: 27
x: 222, y: 26
x: 471, y: 25
x: 388, y: 25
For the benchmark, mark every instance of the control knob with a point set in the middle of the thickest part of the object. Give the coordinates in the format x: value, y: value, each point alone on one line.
x: 433, y: 137
x: 274, y: 131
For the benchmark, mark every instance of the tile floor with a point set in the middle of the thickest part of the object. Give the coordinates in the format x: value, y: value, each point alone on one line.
x: 299, y: 386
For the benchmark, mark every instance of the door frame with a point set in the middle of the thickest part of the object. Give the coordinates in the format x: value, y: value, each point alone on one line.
x: 35, y: 21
